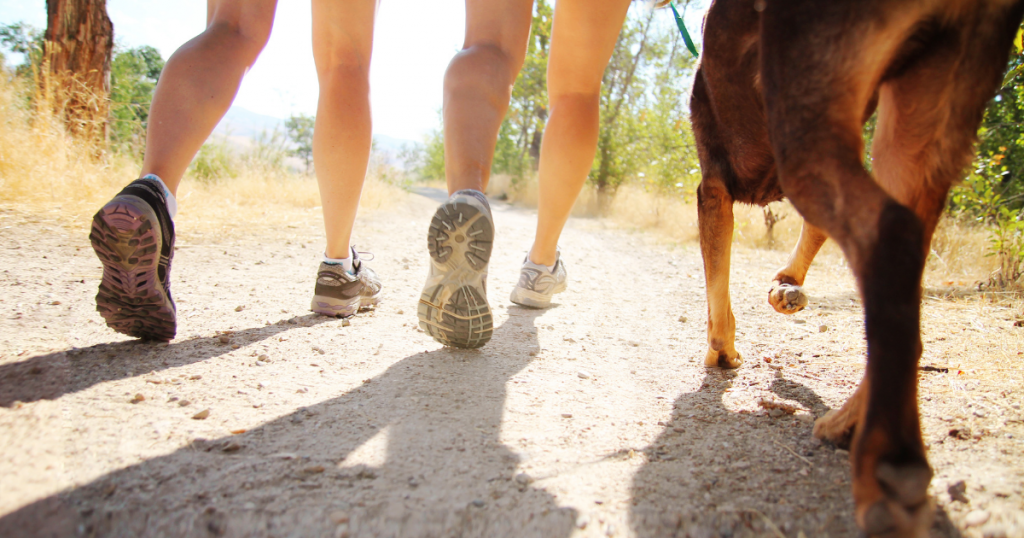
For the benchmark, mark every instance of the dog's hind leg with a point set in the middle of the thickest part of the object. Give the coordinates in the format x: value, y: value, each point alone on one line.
x: 787, y: 294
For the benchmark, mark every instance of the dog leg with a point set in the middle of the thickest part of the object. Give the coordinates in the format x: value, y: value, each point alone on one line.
x: 815, y: 93
x: 714, y: 213
x: 787, y: 294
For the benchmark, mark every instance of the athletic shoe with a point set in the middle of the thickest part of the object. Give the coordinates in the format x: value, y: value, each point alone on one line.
x: 341, y: 294
x: 133, y: 236
x: 453, y: 307
x: 537, y: 284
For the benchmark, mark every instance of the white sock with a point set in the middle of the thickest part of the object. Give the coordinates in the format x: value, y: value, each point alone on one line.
x: 345, y: 263
x: 172, y: 203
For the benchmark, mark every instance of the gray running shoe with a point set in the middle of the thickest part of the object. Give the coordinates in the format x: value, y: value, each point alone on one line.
x: 341, y: 294
x: 537, y: 284
x: 453, y: 307
x: 133, y: 236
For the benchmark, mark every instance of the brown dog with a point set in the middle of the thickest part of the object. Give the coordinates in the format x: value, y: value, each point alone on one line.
x: 782, y: 92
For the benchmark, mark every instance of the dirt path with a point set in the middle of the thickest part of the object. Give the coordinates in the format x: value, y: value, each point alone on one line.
x: 593, y: 418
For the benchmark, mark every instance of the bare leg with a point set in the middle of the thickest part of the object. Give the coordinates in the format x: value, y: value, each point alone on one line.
x: 787, y: 295
x: 199, y: 83
x: 478, y: 86
x: 583, y: 38
x: 342, y: 43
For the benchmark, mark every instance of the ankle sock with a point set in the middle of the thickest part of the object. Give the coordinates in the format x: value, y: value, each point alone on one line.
x: 345, y: 263
x: 172, y: 203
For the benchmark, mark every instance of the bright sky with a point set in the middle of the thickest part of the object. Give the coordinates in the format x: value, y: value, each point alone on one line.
x: 413, y: 43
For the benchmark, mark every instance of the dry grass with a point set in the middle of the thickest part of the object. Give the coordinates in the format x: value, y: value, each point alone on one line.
x: 958, y: 248
x: 42, y: 168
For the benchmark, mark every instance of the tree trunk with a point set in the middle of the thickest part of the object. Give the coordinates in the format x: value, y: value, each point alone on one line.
x: 76, y: 71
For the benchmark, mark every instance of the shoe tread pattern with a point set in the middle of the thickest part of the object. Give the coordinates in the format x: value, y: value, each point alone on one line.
x: 131, y: 297
x: 464, y: 319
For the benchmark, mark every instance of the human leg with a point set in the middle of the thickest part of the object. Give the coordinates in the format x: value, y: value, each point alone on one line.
x: 582, y: 40
x: 199, y: 83
x: 478, y: 86
x: 342, y: 46
x: 453, y: 307
x: 583, y: 37
x: 133, y: 234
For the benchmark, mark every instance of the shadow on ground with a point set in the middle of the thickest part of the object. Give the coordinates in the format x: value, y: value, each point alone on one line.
x: 444, y: 471
x: 48, y: 377
x: 715, y: 472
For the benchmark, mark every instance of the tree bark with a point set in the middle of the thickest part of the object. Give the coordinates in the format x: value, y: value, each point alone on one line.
x: 76, y: 71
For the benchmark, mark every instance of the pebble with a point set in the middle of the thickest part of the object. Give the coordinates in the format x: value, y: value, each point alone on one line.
x: 778, y: 374
x: 822, y: 328
x: 634, y: 343
x: 479, y: 503
x: 776, y: 413
x: 524, y: 479
x: 315, y: 469
x: 400, y: 312
x: 583, y: 374
x: 239, y: 308
x: 682, y: 319
x: 566, y: 415
x: 201, y: 415
x: 196, y: 377
x: 957, y: 491
x: 805, y: 417
x: 345, y: 322
x: 263, y: 358
x: 976, y: 518
x: 413, y: 482
x: 138, y: 398
x: 231, y: 447
x: 184, y: 403
x: 224, y: 339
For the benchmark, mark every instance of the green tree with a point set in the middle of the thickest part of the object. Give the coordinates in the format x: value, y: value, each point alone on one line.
x: 645, y: 132
x: 134, y: 74
x: 300, y: 133
x: 993, y: 193
x: 22, y: 38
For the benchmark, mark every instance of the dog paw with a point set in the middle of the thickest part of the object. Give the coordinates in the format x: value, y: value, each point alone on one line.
x: 787, y: 298
x: 723, y: 359
x: 836, y: 428
x: 901, y: 507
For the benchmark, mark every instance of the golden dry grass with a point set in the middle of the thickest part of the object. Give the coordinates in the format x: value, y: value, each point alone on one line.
x: 42, y: 168
x: 958, y: 255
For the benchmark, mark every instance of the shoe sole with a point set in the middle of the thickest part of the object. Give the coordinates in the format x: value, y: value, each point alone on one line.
x: 533, y: 299
x: 453, y: 308
x: 329, y: 306
x: 126, y: 238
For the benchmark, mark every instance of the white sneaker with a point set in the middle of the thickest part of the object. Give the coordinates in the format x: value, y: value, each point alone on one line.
x: 537, y: 284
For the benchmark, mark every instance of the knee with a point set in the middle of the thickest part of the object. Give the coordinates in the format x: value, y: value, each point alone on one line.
x: 482, y: 67
x: 343, y: 72
x: 246, y: 40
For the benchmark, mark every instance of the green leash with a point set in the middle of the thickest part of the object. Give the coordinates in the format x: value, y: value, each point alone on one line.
x: 682, y: 30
